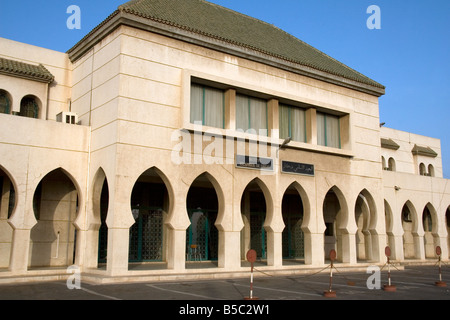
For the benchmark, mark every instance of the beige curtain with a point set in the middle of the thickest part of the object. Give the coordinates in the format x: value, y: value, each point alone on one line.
x: 207, y: 106
x: 251, y: 113
x: 328, y: 131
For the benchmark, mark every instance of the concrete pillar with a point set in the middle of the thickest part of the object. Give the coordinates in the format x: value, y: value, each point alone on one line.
x: 20, y: 251
x: 176, y: 258
x: 229, y: 249
x: 314, y: 244
x: 118, y: 247
x: 347, y: 248
x: 274, y: 249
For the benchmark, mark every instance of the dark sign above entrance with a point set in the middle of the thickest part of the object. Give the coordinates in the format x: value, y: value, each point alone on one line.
x: 258, y: 163
x: 298, y: 168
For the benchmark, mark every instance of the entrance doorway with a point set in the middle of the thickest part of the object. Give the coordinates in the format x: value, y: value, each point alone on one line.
x: 202, y: 237
x: 253, y: 209
x: 149, y: 206
x: 292, y: 211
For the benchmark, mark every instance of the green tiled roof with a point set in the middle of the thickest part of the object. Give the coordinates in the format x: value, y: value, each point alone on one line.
x: 227, y: 28
x: 218, y: 22
x: 25, y: 70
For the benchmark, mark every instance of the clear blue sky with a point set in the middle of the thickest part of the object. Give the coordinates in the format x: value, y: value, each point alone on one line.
x: 410, y: 54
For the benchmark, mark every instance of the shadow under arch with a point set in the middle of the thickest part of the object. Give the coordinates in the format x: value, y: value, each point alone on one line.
x: 430, y: 228
x: 295, y: 210
x: 257, y: 215
x: 151, y: 204
x: 56, y: 206
x: 8, y: 204
x: 389, y: 224
x: 447, y: 220
x: 205, y: 209
x: 366, y: 220
x: 335, y: 215
x: 8, y: 189
x: 411, y: 240
x: 97, y: 228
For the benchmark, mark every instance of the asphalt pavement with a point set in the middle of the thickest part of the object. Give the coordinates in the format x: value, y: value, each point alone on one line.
x: 228, y: 297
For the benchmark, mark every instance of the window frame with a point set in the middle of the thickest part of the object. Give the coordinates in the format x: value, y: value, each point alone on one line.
x: 290, y: 108
x: 203, y: 107
x: 249, y: 123
x: 325, y: 133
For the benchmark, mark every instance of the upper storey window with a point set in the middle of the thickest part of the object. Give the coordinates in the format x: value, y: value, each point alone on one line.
x: 328, y: 130
x: 29, y: 107
x: 251, y: 114
x: 5, y: 103
x: 292, y: 123
x: 207, y: 106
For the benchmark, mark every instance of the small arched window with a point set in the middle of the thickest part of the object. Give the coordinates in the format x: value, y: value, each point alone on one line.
x: 29, y: 107
x: 391, y: 164
x: 383, y: 163
x: 422, y: 169
x: 5, y: 102
x: 430, y: 170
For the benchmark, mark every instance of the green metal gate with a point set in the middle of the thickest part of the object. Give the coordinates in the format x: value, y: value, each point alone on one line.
x: 146, y: 235
x: 202, y: 236
x: 293, y: 240
x: 258, y: 241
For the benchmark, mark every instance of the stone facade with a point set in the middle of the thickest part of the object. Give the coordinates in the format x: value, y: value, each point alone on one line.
x: 136, y: 182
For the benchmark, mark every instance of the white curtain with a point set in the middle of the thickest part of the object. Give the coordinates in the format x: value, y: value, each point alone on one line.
x: 333, y: 134
x: 196, y: 103
x: 258, y: 115
x: 242, y: 113
x: 214, y: 104
x: 298, y: 125
x: 321, y: 140
x: 284, y: 121
x: 207, y: 106
x: 328, y: 130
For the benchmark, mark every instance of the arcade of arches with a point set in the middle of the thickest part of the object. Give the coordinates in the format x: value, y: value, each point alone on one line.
x: 350, y: 229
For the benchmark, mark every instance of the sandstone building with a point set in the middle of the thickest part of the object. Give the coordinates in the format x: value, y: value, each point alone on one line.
x: 162, y: 144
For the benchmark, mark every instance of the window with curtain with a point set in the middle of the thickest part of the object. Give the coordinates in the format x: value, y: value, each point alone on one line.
x: 251, y: 113
x: 292, y: 123
x: 5, y: 104
x: 29, y: 108
x: 328, y: 130
x: 207, y: 106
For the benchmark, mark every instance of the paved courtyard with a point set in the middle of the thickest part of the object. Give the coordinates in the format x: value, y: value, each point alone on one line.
x: 412, y: 283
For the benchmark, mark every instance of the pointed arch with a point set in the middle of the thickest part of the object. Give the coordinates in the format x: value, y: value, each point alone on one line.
x: 205, y: 208
x: 151, y: 203
x: 8, y: 197
x: 257, y: 214
x: 410, y: 225
x: 335, y: 215
x: 56, y: 205
x: 98, y: 242
x: 366, y: 219
x: 389, y: 222
x: 295, y: 210
x: 8, y: 204
x: 430, y: 227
